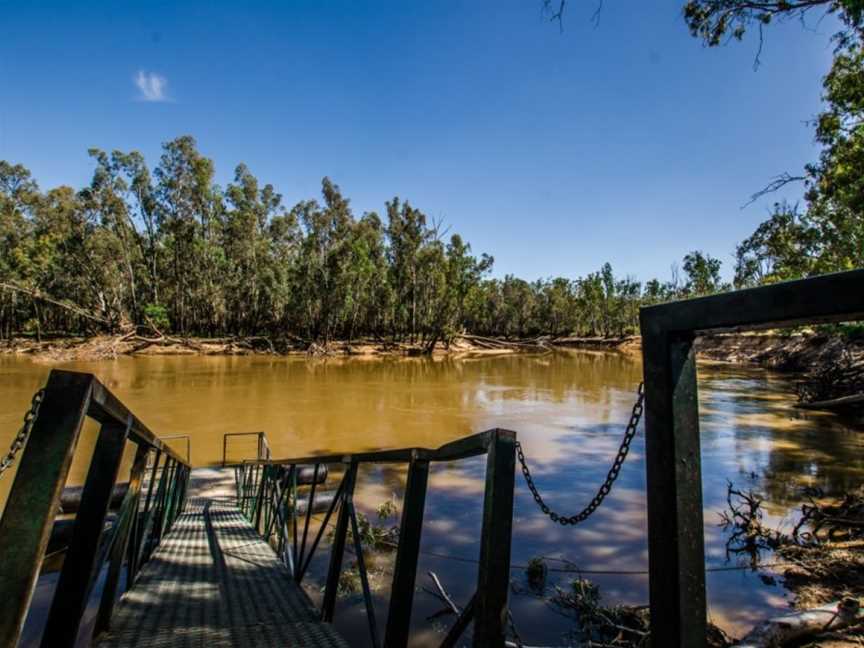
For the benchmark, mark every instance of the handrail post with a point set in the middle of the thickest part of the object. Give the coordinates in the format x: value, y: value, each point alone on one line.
x: 407, y: 555
x: 337, y: 551
x: 164, y: 493
x: 123, y: 529
x: 676, y: 550
x: 493, y: 578
x: 259, y: 499
x: 152, y: 516
x: 80, y: 564
x: 29, y: 514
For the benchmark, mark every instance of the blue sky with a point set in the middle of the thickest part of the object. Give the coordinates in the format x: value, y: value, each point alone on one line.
x: 553, y: 150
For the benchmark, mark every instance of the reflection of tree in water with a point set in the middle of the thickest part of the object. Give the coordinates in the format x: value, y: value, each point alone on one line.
x: 787, y: 449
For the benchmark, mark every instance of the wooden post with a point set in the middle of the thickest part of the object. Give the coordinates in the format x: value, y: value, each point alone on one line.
x: 407, y: 554
x: 122, y: 531
x: 81, y: 562
x: 29, y: 514
x: 493, y: 578
x: 673, y: 464
x: 337, y: 551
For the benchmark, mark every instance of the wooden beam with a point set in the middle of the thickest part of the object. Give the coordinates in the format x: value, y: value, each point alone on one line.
x: 29, y: 514
x: 827, y: 298
x: 674, y: 479
x: 493, y: 578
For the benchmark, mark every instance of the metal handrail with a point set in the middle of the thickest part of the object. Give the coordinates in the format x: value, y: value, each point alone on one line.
x: 263, y: 450
x: 267, y: 494
x: 175, y: 437
x: 28, y: 518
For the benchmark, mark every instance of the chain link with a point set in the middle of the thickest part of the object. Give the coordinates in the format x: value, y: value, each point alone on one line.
x: 21, y: 438
x: 606, y: 487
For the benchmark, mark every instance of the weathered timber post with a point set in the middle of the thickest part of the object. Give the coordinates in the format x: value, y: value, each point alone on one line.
x: 407, y: 554
x: 674, y: 479
x: 29, y: 513
x: 82, y: 556
x: 493, y: 579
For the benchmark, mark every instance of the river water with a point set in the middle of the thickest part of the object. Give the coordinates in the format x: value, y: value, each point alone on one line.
x: 569, y: 410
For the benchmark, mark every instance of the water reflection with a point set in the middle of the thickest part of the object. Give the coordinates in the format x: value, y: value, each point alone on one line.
x: 569, y: 410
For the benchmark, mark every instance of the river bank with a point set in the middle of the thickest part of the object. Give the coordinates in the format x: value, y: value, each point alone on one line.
x: 829, y: 367
x: 52, y: 349
x: 799, y: 352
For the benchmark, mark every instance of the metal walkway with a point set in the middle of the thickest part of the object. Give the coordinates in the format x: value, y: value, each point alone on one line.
x: 214, y: 583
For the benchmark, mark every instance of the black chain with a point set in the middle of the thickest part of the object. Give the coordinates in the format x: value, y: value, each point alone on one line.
x: 606, y: 487
x: 21, y: 438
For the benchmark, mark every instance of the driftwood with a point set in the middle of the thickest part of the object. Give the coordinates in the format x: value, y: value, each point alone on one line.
x: 833, y: 403
x: 70, y: 498
x: 537, y: 344
x: 830, y: 386
x: 442, y: 594
x: 800, y: 625
x: 322, y: 502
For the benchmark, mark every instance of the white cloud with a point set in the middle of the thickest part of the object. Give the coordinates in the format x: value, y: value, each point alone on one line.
x: 152, y: 86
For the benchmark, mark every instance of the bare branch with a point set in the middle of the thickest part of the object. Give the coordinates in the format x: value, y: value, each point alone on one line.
x: 777, y: 183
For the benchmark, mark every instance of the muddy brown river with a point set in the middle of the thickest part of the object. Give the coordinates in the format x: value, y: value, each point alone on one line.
x: 569, y: 410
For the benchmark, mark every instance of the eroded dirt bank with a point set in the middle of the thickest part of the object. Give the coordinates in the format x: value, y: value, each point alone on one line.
x: 799, y: 352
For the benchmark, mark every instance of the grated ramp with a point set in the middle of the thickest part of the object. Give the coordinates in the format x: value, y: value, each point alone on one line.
x: 214, y: 583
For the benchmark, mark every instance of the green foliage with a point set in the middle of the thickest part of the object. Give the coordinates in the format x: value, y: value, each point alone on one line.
x: 386, y: 510
x: 170, y: 247
x: 716, y: 21
x: 158, y: 314
x: 703, y: 274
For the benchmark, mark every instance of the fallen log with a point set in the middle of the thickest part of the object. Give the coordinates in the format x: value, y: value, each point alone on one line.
x: 70, y: 498
x: 498, y: 344
x: 306, y: 475
x: 798, y: 625
x: 61, y: 532
x: 833, y: 403
x: 322, y: 502
x: 73, y: 308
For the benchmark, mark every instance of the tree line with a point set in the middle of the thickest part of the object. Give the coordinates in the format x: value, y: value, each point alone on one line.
x: 168, y: 249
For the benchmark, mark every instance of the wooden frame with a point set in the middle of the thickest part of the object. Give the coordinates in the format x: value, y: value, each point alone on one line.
x: 28, y: 518
x: 673, y: 462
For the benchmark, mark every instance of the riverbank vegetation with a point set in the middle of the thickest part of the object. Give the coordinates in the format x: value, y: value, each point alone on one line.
x: 169, y: 250
x: 165, y: 251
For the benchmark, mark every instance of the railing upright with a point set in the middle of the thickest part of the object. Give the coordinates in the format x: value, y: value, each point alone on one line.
x: 407, y: 554
x: 337, y: 551
x: 28, y: 518
x: 275, y: 498
x: 82, y: 556
x: 493, y: 578
x: 120, y: 541
x: 29, y: 514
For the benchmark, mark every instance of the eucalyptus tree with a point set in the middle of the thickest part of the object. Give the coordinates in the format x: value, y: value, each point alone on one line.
x: 189, y: 209
x: 250, y: 281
